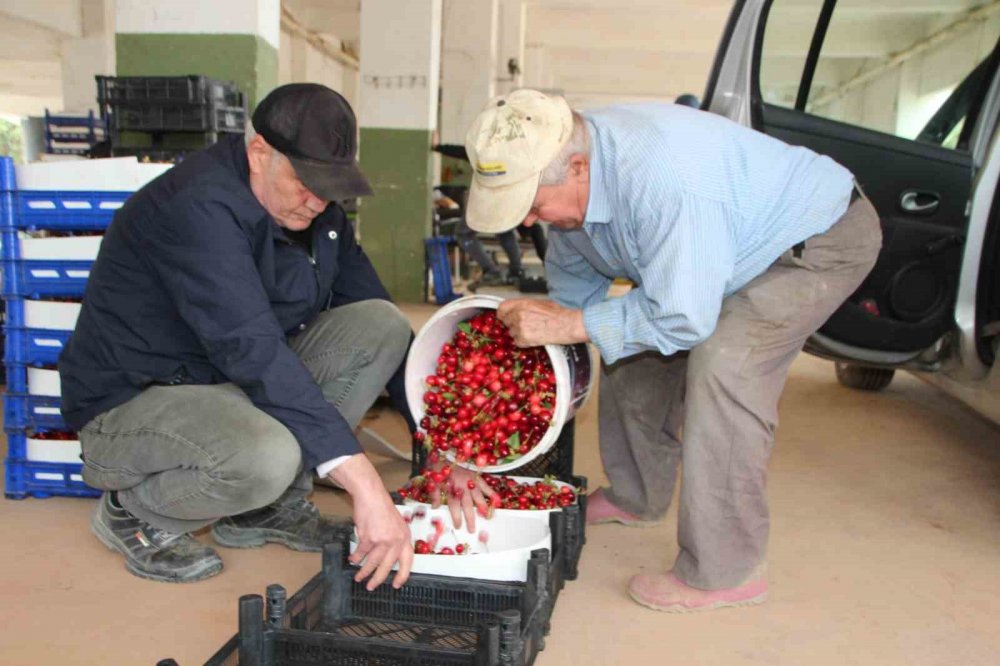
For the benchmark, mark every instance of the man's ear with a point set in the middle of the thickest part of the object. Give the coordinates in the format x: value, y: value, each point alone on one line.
x: 258, y: 153
x: 579, y: 165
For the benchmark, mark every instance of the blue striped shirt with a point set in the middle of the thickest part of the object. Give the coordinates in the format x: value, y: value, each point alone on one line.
x: 691, y: 207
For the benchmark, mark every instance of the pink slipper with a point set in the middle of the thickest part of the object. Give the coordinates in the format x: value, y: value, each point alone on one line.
x: 600, y: 510
x: 665, y: 592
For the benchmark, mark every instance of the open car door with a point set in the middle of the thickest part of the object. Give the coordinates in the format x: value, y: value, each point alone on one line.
x: 896, y: 95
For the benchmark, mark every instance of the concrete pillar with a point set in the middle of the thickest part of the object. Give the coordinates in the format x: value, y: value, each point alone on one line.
x: 510, y: 45
x: 232, y: 40
x: 537, y: 69
x: 400, y: 64
x: 468, y: 64
x: 82, y: 58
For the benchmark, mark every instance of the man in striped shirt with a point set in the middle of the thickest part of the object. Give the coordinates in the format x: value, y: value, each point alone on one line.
x: 739, y: 247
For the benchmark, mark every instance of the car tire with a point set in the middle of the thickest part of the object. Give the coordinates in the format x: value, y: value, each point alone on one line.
x: 864, y: 378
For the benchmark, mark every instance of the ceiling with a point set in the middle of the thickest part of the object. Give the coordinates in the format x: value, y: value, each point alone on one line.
x: 593, y: 50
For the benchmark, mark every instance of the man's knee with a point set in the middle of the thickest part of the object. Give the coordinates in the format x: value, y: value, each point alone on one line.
x: 388, y: 327
x: 263, y: 465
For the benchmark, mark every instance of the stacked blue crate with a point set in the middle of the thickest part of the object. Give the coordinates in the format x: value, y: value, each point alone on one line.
x: 42, y: 467
x: 68, y: 134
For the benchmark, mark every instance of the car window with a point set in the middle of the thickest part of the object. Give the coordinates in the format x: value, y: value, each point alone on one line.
x: 893, y: 66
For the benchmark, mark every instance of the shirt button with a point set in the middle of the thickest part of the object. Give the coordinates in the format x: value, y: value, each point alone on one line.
x: 332, y: 235
x: 302, y: 327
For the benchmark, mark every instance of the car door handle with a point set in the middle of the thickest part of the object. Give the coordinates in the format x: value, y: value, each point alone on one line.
x: 922, y: 203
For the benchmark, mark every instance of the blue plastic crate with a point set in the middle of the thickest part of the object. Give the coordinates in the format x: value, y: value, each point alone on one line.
x: 34, y: 346
x: 34, y: 412
x: 34, y: 478
x: 66, y: 210
x: 36, y: 278
x: 17, y: 378
x: 56, y: 209
x: 25, y: 478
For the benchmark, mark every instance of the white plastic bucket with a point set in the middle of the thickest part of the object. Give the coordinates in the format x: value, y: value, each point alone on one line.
x: 503, y: 557
x: 572, y: 364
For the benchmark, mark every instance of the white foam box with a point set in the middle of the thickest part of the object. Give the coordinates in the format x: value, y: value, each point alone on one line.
x: 114, y: 174
x: 44, y: 382
x: 53, y: 450
x: 64, y: 248
x: 51, y: 315
x: 504, y: 556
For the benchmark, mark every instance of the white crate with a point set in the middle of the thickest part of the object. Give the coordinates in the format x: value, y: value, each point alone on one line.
x: 53, y: 450
x: 44, y: 382
x: 114, y: 174
x: 51, y: 315
x: 69, y: 248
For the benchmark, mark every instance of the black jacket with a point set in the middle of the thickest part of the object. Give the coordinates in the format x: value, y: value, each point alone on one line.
x: 196, y: 284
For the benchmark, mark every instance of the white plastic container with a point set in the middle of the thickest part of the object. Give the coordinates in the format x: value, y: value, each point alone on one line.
x: 504, y: 556
x: 68, y: 248
x: 572, y: 364
x: 51, y: 315
x: 44, y: 382
x: 541, y: 514
x: 53, y: 450
x: 115, y: 174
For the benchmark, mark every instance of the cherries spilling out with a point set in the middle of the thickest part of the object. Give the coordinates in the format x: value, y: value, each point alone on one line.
x: 539, y: 495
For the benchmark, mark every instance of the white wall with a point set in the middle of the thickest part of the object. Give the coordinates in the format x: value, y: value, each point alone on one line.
x: 300, y: 62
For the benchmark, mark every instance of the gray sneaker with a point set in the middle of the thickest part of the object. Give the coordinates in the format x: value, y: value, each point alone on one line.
x: 298, y: 525
x: 150, y: 552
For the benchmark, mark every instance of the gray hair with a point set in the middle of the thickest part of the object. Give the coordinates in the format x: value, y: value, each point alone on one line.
x: 249, y: 133
x: 579, y: 142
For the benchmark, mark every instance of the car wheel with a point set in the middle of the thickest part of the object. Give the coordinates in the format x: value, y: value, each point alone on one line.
x: 864, y: 378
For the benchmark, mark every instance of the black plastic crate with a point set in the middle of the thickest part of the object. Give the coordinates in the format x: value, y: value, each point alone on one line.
x: 557, y: 461
x: 430, y: 620
x: 174, y: 117
x: 160, y: 89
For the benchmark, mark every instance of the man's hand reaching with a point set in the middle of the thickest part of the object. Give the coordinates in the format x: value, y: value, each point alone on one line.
x: 466, y: 501
x: 383, y: 535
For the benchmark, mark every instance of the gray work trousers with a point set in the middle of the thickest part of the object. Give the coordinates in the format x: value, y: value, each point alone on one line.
x: 181, y: 457
x: 716, y: 407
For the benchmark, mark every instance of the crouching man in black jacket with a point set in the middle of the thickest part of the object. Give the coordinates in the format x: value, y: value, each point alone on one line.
x: 232, y: 336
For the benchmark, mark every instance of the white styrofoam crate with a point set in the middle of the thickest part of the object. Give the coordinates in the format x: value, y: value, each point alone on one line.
x: 53, y: 450
x: 499, y: 549
x: 68, y: 248
x: 51, y: 315
x: 44, y: 382
x: 114, y: 174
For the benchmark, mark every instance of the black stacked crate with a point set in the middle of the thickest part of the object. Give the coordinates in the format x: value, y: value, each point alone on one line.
x: 162, y: 107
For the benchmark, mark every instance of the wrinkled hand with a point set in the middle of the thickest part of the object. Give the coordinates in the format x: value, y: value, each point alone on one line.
x: 535, y: 322
x: 465, y: 501
x: 383, y: 535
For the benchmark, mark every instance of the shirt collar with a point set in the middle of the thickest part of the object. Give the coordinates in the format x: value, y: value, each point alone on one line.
x: 598, y: 206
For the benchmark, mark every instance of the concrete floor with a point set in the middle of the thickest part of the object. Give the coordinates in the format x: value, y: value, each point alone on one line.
x: 884, y: 551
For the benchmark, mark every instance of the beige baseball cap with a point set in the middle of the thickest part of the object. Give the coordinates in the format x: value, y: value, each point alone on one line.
x: 509, y: 145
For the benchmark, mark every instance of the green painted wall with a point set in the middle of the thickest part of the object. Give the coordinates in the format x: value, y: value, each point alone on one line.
x: 249, y: 60
x: 395, y: 221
